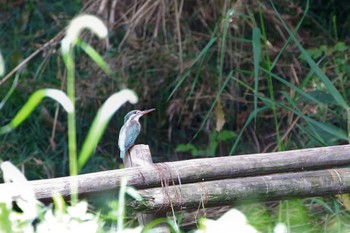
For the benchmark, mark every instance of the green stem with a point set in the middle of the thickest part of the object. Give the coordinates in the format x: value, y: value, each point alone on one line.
x: 270, y: 84
x: 72, y: 142
x: 348, y: 123
x: 121, y: 204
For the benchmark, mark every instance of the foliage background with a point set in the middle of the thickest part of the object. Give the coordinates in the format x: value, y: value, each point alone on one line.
x: 190, y: 61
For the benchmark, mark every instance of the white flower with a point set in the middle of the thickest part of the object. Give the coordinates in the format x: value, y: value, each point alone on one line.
x: 77, y: 219
x: 280, y: 228
x: 231, y: 222
x: 26, y: 200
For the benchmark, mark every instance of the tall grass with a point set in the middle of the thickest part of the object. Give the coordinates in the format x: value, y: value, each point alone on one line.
x: 68, y: 101
x: 242, y: 67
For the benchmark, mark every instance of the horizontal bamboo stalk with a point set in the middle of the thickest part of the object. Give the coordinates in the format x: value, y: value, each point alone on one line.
x: 194, y: 170
x: 240, y: 190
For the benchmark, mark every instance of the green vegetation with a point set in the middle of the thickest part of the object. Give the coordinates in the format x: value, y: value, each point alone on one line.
x: 226, y: 78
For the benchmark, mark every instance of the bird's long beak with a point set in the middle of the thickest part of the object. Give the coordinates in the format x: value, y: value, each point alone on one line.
x: 147, y: 111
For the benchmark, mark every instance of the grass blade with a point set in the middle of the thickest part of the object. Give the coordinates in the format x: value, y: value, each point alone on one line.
x: 9, y: 93
x: 214, y: 103
x: 251, y: 117
x: 257, y: 56
x: 33, y: 102
x: 222, y: 45
x: 330, y: 86
x: 188, y: 71
x: 100, y: 122
x: 270, y: 87
x: 95, y: 56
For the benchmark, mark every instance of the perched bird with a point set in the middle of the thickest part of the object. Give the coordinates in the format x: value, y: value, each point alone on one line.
x: 130, y: 130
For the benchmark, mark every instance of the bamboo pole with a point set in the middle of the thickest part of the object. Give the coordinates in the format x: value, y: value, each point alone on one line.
x: 194, y: 170
x: 140, y: 156
x: 240, y: 190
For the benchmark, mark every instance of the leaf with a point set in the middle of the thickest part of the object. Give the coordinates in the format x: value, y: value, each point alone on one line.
x: 33, y: 102
x: 59, y: 203
x: 5, y: 215
x: 104, y: 114
x: 331, y: 129
x: 345, y: 200
x: 185, y: 147
x: 213, y: 145
x: 226, y: 135
x: 341, y: 46
x: 95, y: 56
x: 220, y: 116
x: 11, y: 90
x: 77, y: 25
x: 321, y: 96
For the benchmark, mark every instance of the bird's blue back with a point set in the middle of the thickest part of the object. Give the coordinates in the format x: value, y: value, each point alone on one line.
x: 133, y: 131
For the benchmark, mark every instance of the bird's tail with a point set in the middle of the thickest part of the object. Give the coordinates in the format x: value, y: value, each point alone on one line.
x: 122, y: 154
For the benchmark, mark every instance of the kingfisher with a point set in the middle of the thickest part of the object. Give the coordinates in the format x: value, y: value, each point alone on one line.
x: 130, y: 130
